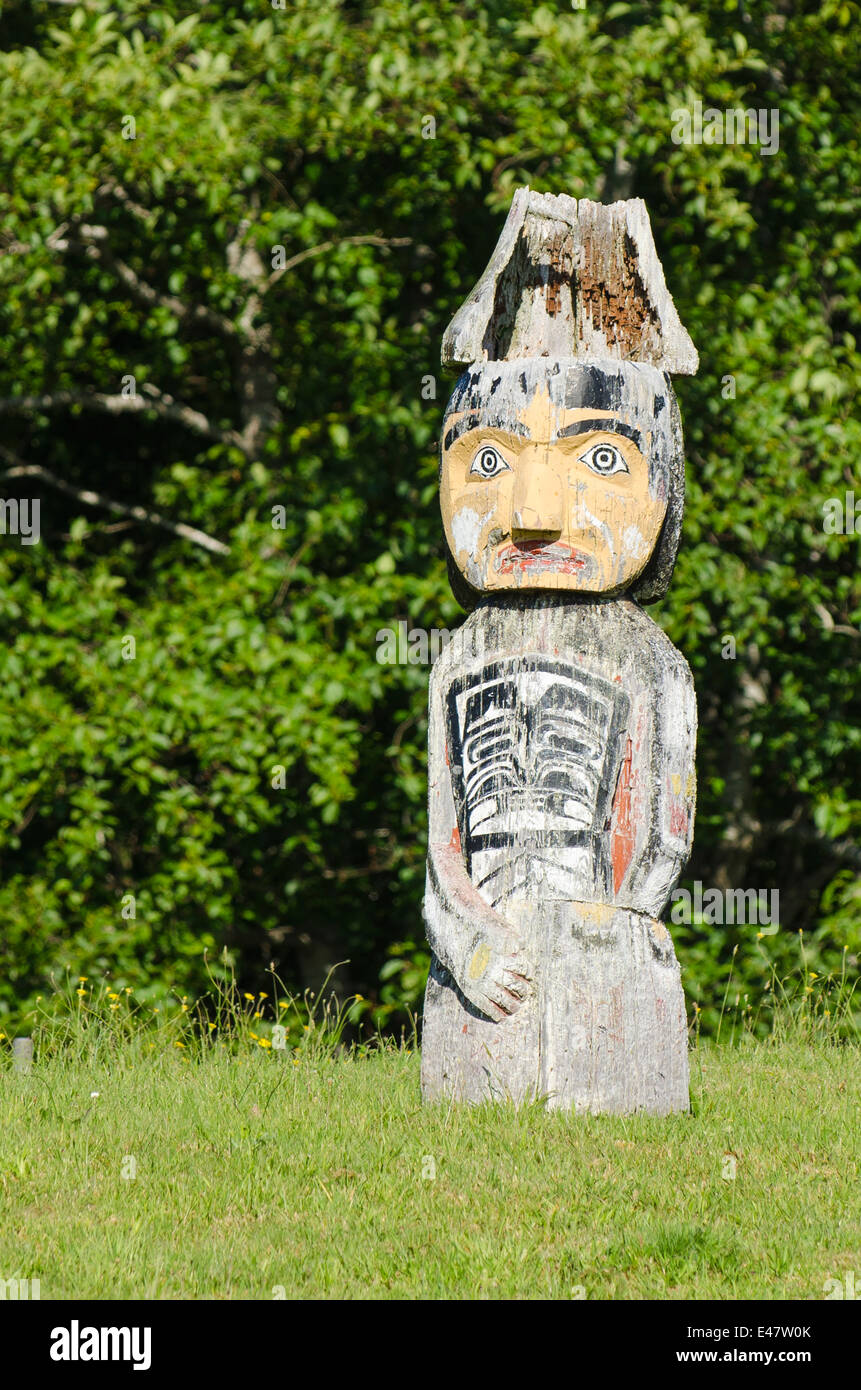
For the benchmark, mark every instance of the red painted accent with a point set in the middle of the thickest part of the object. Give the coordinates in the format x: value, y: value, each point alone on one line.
x: 538, y: 555
x: 623, y: 835
x: 454, y: 842
x: 678, y: 810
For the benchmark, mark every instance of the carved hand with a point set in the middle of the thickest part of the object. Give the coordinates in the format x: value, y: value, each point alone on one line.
x: 496, y: 977
x: 482, y: 951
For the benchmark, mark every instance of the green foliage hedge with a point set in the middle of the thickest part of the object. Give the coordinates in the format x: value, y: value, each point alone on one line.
x: 153, y: 777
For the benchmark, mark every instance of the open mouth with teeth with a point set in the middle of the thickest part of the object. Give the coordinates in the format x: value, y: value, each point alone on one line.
x: 535, y: 556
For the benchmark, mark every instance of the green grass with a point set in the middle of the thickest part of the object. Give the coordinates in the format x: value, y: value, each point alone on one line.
x: 304, y: 1170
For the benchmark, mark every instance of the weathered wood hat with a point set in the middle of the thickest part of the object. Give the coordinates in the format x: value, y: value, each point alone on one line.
x: 569, y: 279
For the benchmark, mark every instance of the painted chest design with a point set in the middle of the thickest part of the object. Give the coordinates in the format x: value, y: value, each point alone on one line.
x: 536, y: 750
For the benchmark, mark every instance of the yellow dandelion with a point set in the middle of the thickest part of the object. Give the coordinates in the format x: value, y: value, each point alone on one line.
x: 282, y: 1003
x: 263, y: 1042
x: 360, y: 998
x: 263, y: 994
x: 80, y: 993
x: 82, y: 979
x: 306, y: 1027
x: 813, y: 975
x: 257, y: 1015
x: 128, y: 989
x: 177, y: 1043
x: 295, y: 1061
x: 211, y: 1026
x: 183, y: 1008
x: 2, y: 1037
x: 111, y: 994
x: 248, y: 996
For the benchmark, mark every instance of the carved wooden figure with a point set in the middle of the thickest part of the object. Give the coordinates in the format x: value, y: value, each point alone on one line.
x: 562, y: 719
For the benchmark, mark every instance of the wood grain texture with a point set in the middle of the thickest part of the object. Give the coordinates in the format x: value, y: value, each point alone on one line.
x: 572, y: 278
x: 562, y: 793
x: 562, y: 722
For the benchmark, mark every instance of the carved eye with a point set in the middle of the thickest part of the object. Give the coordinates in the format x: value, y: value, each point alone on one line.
x: 489, y: 463
x: 605, y: 459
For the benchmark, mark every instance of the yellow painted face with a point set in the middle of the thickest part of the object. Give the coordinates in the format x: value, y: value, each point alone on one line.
x: 560, y: 500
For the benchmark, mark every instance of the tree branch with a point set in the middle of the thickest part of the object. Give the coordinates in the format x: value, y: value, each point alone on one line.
x: 95, y: 499
x: 843, y: 851
x: 15, y: 248
x: 250, y: 336
x: 158, y: 401
x: 829, y: 624
x: 112, y: 189
x: 94, y: 240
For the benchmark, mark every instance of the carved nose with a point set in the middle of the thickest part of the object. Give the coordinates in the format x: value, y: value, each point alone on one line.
x: 526, y: 521
x: 536, y: 506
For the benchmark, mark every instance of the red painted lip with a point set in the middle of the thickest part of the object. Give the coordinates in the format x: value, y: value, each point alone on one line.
x: 538, y: 555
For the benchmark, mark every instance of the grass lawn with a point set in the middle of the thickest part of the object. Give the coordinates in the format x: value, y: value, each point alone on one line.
x: 258, y: 1176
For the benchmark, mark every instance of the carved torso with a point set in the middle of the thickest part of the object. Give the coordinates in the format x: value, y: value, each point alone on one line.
x: 570, y: 774
x: 536, y: 749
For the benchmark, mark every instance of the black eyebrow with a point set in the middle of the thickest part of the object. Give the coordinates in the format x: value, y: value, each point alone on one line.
x: 607, y: 426
x: 476, y: 421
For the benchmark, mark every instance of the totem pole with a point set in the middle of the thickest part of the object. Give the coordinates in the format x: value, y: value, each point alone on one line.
x: 562, y: 719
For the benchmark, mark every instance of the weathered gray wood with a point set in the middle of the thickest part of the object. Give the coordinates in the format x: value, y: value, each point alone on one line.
x: 22, y: 1055
x: 562, y: 720
x: 594, y: 289
x: 571, y: 930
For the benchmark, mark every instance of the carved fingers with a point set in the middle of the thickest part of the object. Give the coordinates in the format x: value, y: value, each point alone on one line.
x: 498, y: 979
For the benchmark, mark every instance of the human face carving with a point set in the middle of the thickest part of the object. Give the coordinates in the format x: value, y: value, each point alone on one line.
x: 552, y: 497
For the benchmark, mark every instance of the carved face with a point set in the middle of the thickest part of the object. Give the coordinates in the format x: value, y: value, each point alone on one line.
x: 555, y: 476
